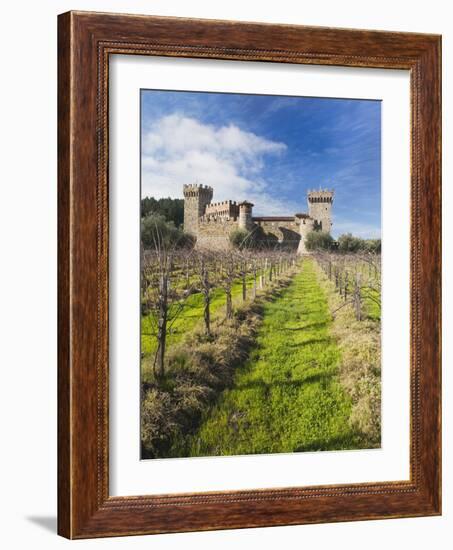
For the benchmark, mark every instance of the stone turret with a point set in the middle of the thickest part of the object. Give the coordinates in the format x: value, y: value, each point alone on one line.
x: 320, y: 208
x: 245, y: 215
x: 196, y: 198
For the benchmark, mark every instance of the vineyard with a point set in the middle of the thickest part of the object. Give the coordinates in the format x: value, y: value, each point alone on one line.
x: 181, y: 288
x: 357, y: 279
x: 247, y: 351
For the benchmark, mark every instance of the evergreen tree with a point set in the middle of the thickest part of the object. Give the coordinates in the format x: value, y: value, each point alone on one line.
x: 171, y: 209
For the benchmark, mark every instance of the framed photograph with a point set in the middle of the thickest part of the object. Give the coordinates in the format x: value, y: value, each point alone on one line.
x: 249, y: 275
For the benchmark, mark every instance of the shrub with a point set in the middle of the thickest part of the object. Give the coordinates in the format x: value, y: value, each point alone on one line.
x: 319, y: 240
x: 240, y: 238
x: 373, y: 246
x: 348, y: 244
x: 157, y: 420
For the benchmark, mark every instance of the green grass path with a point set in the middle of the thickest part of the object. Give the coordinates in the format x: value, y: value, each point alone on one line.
x: 286, y: 397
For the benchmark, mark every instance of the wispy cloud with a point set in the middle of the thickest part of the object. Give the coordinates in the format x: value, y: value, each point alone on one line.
x: 177, y: 149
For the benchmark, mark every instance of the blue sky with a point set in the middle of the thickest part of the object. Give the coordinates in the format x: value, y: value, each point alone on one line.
x: 267, y: 149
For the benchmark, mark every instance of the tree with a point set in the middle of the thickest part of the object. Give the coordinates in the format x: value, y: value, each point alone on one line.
x: 319, y: 240
x: 171, y: 209
x: 154, y: 227
x: 347, y: 243
x: 373, y: 246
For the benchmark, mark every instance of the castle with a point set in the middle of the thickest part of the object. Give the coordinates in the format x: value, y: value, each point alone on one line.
x: 213, y: 223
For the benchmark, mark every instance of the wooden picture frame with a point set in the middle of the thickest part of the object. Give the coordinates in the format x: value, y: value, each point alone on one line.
x: 85, y: 42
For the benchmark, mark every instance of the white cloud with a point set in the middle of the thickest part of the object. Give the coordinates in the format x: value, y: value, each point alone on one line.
x: 178, y: 150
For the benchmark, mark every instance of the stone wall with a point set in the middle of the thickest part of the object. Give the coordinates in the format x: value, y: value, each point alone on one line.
x: 282, y: 231
x: 306, y: 225
x: 225, y: 209
x: 215, y: 234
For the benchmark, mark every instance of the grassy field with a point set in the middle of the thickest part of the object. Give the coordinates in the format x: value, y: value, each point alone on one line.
x: 287, y: 396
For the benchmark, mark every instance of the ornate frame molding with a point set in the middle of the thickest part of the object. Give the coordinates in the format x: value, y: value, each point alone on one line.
x: 86, y: 40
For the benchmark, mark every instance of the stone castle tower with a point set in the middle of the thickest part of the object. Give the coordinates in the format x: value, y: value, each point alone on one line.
x: 213, y: 223
x: 245, y: 215
x: 196, y: 198
x: 320, y: 208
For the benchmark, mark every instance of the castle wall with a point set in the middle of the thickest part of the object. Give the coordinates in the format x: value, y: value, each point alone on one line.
x: 225, y: 209
x: 281, y: 231
x: 215, y: 234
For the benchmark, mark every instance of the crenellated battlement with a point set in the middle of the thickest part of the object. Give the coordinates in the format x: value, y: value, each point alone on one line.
x: 224, y: 209
x: 198, y: 190
x: 320, y: 195
x: 216, y: 218
x: 220, y: 205
x: 196, y: 186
